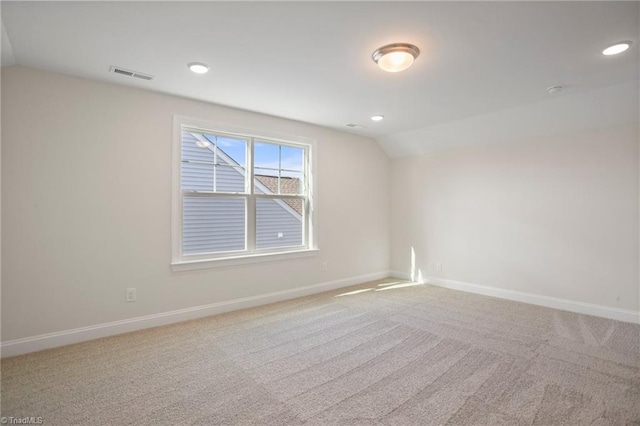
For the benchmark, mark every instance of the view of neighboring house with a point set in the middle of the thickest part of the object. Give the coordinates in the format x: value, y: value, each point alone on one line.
x: 217, y: 224
x: 288, y: 185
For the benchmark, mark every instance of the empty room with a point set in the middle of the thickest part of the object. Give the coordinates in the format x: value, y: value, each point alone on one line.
x: 320, y: 213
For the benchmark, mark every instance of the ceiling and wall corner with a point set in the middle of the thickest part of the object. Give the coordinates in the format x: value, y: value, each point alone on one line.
x: 311, y: 61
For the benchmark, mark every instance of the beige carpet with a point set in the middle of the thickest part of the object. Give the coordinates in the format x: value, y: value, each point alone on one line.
x: 378, y: 353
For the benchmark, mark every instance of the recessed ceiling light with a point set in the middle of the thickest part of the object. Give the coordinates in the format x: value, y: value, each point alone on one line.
x: 395, y: 57
x: 198, y: 67
x: 377, y: 117
x: 616, y: 48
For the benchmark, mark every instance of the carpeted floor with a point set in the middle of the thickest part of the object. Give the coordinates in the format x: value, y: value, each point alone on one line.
x: 385, y: 352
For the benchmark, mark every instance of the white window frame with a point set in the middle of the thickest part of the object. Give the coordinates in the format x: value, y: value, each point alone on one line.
x: 181, y: 262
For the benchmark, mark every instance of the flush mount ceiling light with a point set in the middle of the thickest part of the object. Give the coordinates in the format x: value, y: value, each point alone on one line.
x: 377, y: 117
x: 616, y: 48
x: 395, y: 57
x: 198, y: 67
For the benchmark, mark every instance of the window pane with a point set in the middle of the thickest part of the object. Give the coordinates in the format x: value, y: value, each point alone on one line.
x: 213, y: 224
x: 291, y: 183
x: 265, y: 181
x: 292, y: 158
x: 266, y: 155
x: 278, y: 222
x: 231, y: 151
x: 196, y: 149
x: 197, y: 177
x: 230, y: 179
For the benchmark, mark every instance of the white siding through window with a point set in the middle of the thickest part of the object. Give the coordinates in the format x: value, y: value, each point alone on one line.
x: 213, y: 224
x: 276, y: 226
x: 218, y: 224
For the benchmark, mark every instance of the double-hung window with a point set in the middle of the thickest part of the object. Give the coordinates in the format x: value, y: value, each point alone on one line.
x: 240, y: 196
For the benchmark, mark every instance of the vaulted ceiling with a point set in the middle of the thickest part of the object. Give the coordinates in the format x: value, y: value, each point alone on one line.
x: 311, y: 61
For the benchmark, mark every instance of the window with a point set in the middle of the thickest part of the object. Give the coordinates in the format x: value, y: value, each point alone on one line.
x: 239, y: 196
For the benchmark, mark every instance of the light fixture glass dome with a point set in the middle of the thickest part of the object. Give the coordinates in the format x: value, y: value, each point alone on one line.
x: 395, y: 57
x: 198, y: 67
x: 619, y: 47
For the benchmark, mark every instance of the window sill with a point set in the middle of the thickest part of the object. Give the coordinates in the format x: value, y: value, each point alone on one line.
x: 188, y: 265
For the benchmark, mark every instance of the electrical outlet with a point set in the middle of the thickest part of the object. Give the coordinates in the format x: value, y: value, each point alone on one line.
x: 325, y: 266
x: 131, y: 295
x: 438, y: 266
x: 430, y: 266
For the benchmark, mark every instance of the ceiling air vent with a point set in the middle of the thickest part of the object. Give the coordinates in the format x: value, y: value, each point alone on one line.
x: 130, y: 73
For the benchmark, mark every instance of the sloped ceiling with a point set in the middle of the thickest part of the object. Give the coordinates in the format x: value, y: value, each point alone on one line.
x: 311, y: 61
x: 601, y: 107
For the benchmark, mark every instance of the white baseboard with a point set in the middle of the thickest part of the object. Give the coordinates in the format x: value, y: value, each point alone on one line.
x: 76, y: 335
x: 534, y: 299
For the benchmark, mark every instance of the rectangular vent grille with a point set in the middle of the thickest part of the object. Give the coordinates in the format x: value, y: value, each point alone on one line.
x: 130, y: 73
x: 143, y: 76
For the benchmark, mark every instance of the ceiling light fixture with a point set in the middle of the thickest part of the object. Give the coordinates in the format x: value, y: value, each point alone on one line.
x: 395, y: 57
x: 198, y: 67
x: 616, y: 48
x: 377, y: 117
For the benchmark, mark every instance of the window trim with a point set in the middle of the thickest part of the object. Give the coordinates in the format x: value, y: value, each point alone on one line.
x: 179, y: 262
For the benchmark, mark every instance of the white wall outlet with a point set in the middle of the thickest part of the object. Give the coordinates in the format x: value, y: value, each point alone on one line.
x: 438, y: 266
x: 131, y: 295
x: 430, y: 266
x: 325, y: 266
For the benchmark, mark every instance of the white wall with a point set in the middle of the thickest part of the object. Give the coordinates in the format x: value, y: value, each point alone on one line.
x: 86, y: 214
x: 86, y: 206
x: 554, y: 215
